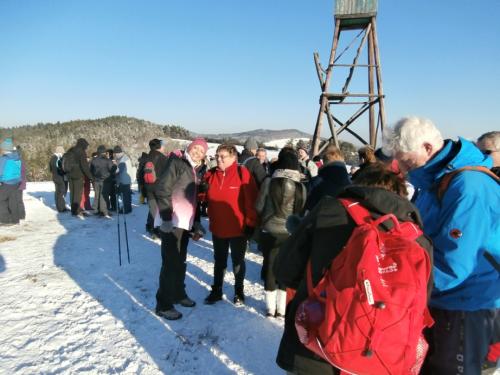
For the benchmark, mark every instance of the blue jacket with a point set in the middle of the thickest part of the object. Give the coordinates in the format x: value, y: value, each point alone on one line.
x: 10, y: 168
x: 463, y: 225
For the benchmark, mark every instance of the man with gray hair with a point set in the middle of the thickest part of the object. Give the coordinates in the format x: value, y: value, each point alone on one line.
x: 460, y: 211
x: 248, y: 159
x: 489, y: 144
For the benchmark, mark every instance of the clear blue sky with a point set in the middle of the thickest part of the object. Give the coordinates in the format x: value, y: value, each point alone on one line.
x: 217, y: 66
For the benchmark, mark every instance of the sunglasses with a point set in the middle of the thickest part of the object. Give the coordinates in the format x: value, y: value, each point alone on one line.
x: 488, y: 152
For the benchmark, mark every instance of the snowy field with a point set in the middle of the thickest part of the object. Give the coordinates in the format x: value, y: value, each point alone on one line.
x: 68, y: 307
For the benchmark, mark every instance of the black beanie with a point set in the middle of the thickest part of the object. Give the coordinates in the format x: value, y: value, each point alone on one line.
x: 101, y: 149
x: 287, y: 159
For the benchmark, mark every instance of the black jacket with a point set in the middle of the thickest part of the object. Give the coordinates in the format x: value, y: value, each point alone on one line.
x: 139, y: 176
x: 256, y: 169
x: 80, y: 158
x: 101, y: 168
x: 160, y: 162
x: 320, y: 237
x: 177, y: 185
x: 331, y: 180
x: 280, y: 196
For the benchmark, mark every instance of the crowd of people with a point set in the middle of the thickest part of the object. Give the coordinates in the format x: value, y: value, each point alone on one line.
x: 108, y: 170
x: 295, y: 210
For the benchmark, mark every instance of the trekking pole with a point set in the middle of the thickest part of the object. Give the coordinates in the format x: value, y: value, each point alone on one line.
x: 118, y: 222
x: 125, y: 227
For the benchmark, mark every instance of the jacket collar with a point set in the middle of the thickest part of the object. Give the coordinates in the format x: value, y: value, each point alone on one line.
x: 452, y: 156
x: 229, y: 169
x: 287, y: 173
x: 189, y: 160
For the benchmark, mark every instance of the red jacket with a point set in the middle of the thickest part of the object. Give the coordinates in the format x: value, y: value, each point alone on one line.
x: 231, y: 201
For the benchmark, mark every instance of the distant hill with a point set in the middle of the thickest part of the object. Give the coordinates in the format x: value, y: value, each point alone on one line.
x: 261, y: 135
x: 37, y: 142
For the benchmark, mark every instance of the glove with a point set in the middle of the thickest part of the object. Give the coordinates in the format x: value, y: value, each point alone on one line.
x: 292, y: 222
x: 166, y: 227
x: 248, y: 231
x: 198, y: 229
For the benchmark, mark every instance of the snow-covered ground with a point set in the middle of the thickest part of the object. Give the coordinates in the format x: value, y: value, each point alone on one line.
x: 68, y: 307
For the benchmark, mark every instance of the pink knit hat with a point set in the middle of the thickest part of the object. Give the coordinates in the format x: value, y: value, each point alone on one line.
x: 198, y: 142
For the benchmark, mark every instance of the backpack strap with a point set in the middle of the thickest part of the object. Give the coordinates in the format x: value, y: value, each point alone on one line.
x: 311, y: 289
x: 362, y: 216
x: 359, y: 214
x: 240, y: 173
x: 446, y: 179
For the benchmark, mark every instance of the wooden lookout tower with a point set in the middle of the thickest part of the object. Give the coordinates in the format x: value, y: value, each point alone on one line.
x: 352, y: 15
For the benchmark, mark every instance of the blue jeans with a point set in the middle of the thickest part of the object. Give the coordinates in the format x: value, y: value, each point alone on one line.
x: 459, y: 340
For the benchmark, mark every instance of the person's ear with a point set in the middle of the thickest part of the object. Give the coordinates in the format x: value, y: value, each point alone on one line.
x: 428, y: 148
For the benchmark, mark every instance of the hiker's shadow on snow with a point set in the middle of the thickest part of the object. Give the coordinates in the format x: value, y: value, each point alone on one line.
x: 203, y: 250
x: 208, y: 339
x: 46, y: 197
x: 2, y: 264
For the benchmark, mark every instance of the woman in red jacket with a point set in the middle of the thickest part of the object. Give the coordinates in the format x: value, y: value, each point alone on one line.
x: 231, y: 197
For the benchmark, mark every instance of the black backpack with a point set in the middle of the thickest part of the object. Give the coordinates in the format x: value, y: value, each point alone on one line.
x: 59, y: 168
x: 68, y: 162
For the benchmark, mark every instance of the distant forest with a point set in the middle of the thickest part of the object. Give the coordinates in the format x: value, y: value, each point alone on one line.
x: 38, y: 142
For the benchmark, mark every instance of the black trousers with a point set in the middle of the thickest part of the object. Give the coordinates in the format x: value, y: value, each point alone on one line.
x: 309, y: 366
x: 20, y: 205
x: 59, y: 194
x: 153, y: 208
x: 109, y: 193
x: 221, y: 251
x: 459, y: 340
x: 9, y: 207
x: 269, y: 245
x: 75, y: 194
x: 173, y: 269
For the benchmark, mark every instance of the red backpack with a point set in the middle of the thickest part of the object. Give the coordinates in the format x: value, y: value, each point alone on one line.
x: 149, y: 173
x: 367, y: 313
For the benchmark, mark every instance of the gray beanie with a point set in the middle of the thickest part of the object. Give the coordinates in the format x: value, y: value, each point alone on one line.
x: 251, y: 144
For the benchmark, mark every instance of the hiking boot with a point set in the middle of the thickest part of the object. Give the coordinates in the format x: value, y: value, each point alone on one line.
x: 170, y: 314
x: 239, y: 299
x: 187, y: 302
x: 214, y: 296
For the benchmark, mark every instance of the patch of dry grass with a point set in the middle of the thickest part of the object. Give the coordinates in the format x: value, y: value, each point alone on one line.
x: 6, y: 238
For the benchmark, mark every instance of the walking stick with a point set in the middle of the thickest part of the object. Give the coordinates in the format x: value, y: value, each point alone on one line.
x: 125, y: 227
x: 118, y: 222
